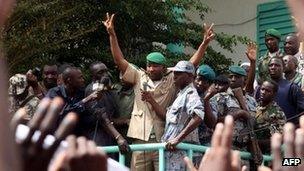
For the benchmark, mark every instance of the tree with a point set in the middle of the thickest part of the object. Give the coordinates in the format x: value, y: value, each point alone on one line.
x: 43, y: 31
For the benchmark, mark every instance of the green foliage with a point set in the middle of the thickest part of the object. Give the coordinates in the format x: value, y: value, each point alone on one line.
x: 44, y: 31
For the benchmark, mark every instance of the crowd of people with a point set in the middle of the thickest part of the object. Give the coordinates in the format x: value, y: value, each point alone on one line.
x: 254, y: 107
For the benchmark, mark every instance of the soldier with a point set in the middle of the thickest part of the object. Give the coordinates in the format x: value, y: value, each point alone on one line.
x: 19, y: 96
x: 292, y: 47
x: 221, y: 83
x: 146, y: 126
x: 228, y: 104
x: 290, y: 71
x: 203, y: 83
x: 269, y: 117
x: 272, y: 40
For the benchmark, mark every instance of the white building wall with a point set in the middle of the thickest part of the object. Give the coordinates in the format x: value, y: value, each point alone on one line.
x: 232, y: 17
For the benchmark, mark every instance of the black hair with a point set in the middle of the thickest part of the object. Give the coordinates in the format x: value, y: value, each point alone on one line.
x: 63, y: 67
x: 221, y: 79
x: 274, y: 85
x: 67, y: 73
x: 278, y: 58
x: 95, y: 63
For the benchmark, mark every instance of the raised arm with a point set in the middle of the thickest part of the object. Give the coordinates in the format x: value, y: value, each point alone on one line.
x: 208, y: 36
x: 118, y: 57
x: 9, y: 159
x: 251, y: 54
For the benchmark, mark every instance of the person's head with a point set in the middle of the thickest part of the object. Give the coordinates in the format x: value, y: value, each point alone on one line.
x: 156, y: 65
x: 268, y: 90
x: 183, y: 73
x: 291, y: 44
x: 205, y: 76
x: 290, y: 63
x: 221, y: 83
x: 98, y: 70
x: 237, y: 76
x: 245, y: 66
x: 272, y: 40
x: 18, y: 86
x: 50, y: 76
x: 275, y: 68
x: 61, y: 68
x: 73, y: 78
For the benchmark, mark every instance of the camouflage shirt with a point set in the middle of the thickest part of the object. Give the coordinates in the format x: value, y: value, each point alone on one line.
x: 268, y: 120
x: 298, y: 79
x: 262, y: 66
x: 30, y: 104
x: 226, y: 101
x: 205, y: 133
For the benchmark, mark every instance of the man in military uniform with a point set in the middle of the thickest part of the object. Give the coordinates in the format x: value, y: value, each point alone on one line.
x: 269, y: 117
x: 228, y: 104
x: 292, y: 47
x: 290, y: 71
x: 146, y: 126
x: 19, y: 96
x: 272, y: 40
x: 203, y: 84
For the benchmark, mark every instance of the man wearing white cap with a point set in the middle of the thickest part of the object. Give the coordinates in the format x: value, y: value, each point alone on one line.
x: 182, y: 117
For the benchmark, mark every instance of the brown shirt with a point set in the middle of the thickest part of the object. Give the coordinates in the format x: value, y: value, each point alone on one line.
x: 144, y: 120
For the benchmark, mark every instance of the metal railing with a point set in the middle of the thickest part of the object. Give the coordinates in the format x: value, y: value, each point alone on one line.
x: 160, y: 147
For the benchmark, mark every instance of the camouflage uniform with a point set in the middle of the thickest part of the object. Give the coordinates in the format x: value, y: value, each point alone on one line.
x: 224, y: 102
x: 271, y: 118
x: 18, y: 86
x: 29, y: 106
x: 298, y: 79
x: 204, y: 132
x: 262, y: 66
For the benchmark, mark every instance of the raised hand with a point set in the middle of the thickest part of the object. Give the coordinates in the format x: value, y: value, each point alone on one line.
x: 251, y: 51
x: 208, y: 33
x: 109, y: 24
x: 81, y: 154
x: 32, y: 80
x: 211, y: 92
x: 296, y: 7
x: 294, y: 143
x: 220, y: 151
x: 36, y: 152
x: 5, y: 10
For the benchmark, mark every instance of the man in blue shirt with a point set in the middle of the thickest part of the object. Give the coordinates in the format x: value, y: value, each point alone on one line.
x: 289, y: 97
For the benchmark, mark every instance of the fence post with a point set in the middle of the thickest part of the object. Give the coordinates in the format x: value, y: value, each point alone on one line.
x: 122, y: 159
x: 161, y: 159
x: 190, y: 154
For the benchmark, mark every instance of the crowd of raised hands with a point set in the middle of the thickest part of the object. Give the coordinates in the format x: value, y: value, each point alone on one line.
x: 220, y: 157
x: 37, y: 148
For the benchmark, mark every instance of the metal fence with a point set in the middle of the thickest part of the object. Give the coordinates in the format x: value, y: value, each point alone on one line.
x: 160, y: 147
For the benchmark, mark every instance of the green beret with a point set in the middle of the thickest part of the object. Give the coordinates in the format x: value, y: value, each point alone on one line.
x: 157, y: 58
x: 274, y: 33
x: 237, y: 70
x: 206, y: 71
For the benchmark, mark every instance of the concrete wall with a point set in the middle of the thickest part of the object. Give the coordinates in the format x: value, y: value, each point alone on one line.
x: 232, y: 17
